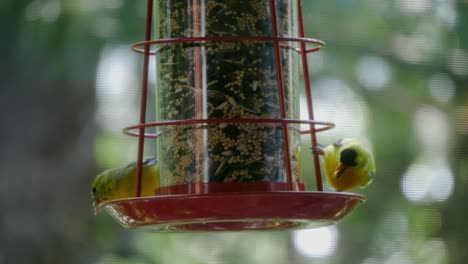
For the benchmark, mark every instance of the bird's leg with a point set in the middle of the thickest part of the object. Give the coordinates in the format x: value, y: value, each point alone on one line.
x: 339, y: 143
x: 318, y: 149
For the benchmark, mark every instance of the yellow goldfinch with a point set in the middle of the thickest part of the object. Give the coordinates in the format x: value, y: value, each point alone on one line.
x: 120, y: 183
x: 348, y: 164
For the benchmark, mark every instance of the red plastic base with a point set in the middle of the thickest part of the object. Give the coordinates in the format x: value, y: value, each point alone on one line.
x: 233, y: 211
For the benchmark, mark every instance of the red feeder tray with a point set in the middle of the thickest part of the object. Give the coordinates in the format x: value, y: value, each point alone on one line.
x: 233, y: 211
x: 218, y: 207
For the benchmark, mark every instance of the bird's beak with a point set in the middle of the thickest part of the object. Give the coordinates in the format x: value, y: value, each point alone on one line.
x: 340, y: 170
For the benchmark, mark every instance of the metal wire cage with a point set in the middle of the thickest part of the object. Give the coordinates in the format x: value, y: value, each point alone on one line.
x: 215, y: 189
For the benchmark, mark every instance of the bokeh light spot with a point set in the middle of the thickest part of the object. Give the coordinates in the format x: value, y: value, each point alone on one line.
x: 413, y: 6
x: 428, y: 180
x: 446, y: 12
x: 335, y: 101
x: 114, y: 80
x: 414, y: 48
x: 399, y: 257
x: 441, y: 87
x: 373, y: 72
x: 49, y: 11
x: 434, y: 139
x: 433, y: 251
x: 318, y: 242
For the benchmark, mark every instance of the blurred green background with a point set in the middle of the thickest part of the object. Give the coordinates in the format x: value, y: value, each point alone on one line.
x: 394, y: 73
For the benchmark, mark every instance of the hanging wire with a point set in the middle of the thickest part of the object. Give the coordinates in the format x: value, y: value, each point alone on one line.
x: 144, y: 95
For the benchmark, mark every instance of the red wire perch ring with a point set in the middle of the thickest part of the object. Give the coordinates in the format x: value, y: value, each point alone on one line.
x: 128, y: 130
x: 318, y: 43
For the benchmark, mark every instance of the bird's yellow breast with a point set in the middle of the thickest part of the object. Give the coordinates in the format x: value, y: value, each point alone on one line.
x: 351, y: 177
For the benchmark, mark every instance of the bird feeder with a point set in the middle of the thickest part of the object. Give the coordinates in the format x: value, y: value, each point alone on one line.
x: 228, y: 129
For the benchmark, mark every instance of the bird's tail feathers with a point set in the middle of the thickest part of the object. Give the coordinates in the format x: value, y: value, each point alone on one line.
x: 145, y: 162
x: 150, y: 161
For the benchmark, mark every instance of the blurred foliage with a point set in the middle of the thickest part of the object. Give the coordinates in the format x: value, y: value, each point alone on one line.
x: 406, y: 62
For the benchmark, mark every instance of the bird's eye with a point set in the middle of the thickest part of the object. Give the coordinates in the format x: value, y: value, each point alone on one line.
x: 348, y: 157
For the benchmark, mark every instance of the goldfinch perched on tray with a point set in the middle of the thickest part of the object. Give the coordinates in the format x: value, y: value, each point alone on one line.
x: 119, y: 183
x: 348, y: 164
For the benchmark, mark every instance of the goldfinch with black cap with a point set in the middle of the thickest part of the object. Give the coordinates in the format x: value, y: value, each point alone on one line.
x: 348, y: 164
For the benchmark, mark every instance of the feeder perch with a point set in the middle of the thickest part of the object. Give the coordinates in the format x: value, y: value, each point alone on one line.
x: 228, y: 130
